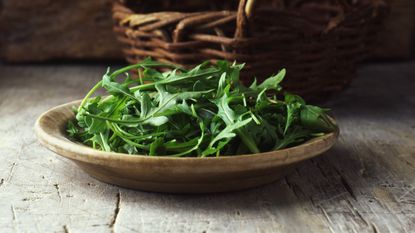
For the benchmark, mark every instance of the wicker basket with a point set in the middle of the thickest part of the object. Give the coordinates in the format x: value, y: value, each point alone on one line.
x: 318, y: 41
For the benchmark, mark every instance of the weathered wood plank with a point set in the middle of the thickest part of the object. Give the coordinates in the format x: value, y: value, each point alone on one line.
x: 365, y: 184
x: 39, y: 30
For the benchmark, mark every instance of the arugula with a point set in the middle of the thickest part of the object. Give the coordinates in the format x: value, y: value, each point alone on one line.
x: 205, y: 111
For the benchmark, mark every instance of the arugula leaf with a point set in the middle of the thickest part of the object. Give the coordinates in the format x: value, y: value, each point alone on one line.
x: 272, y: 83
x: 315, y: 119
x: 227, y: 133
x: 115, y: 88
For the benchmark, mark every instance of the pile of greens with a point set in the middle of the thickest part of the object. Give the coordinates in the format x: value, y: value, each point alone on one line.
x: 205, y: 111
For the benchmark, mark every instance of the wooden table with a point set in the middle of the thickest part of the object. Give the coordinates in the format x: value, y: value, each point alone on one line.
x: 364, y: 184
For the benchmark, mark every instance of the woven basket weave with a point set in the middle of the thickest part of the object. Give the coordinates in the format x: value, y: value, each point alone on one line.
x: 318, y: 41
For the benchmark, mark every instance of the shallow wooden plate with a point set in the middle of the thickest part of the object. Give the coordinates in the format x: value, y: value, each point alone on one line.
x: 169, y: 174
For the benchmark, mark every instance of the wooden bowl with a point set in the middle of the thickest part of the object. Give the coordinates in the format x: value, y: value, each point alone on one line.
x: 170, y: 174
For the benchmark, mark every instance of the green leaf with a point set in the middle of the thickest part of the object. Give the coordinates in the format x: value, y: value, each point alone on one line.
x: 102, y: 140
x: 273, y: 82
x: 96, y: 126
x: 71, y: 129
x: 115, y: 88
x: 295, y: 137
x: 156, y: 147
x: 229, y: 130
x: 315, y: 119
x: 224, y: 111
x: 156, y: 121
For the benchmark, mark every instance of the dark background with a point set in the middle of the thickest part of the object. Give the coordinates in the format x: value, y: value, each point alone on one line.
x: 79, y: 30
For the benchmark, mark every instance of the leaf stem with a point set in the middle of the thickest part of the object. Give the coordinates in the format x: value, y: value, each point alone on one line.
x: 85, y: 99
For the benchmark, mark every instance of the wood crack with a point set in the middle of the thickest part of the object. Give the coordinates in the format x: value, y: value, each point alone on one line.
x: 408, y: 197
x: 11, y: 172
x: 346, y: 184
x: 298, y: 192
x: 326, y: 216
x: 58, y: 191
x: 356, y: 213
x: 116, y: 212
x: 292, y: 187
x: 361, y: 216
x: 65, y: 229
x: 374, y: 228
x: 14, y: 215
x: 347, y: 187
x: 317, y: 164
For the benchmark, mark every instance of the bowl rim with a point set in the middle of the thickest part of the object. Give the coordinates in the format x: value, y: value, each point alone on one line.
x: 59, y: 142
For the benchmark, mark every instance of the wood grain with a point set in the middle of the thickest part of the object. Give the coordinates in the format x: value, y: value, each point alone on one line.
x: 365, y: 184
x: 39, y: 30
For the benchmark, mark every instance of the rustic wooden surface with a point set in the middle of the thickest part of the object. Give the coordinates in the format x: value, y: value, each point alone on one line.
x: 365, y: 184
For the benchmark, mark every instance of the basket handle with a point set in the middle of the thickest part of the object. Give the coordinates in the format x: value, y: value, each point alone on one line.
x: 245, y: 11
